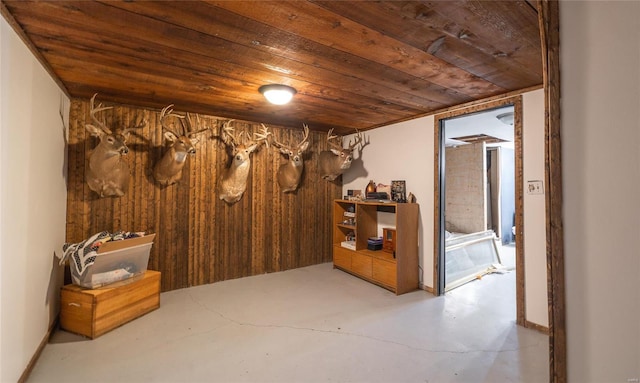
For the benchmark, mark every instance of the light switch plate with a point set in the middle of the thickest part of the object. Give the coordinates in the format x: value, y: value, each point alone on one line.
x: 535, y: 187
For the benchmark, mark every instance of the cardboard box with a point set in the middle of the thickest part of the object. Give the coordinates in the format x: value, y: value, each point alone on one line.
x: 116, y: 261
x: 94, y: 312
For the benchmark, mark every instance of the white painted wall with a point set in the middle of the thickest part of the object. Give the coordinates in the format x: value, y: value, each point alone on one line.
x: 32, y: 202
x: 535, y: 232
x: 600, y: 117
x: 402, y: 151
x: 405, y: 151
x: 2, y: 223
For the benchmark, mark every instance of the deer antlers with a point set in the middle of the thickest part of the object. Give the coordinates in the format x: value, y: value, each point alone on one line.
x: 167, y: 111
x: 288, y: 148
x: 244, y: 138
x: 97, y: 109
x: 358, y: 139
x: 185, y: 121
x: 364, y: 140
x: 263, y: 135
x: 227, y: 134
x: 187, y: 126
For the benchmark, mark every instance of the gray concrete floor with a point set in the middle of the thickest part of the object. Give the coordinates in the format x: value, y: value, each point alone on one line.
x: 314, y: 324
x: 507, y: 255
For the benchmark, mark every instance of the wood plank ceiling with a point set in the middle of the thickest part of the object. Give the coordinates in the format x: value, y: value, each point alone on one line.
x: 355, y: 64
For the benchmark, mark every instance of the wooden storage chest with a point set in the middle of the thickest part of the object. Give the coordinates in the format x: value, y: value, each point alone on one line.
x: 94, y: 312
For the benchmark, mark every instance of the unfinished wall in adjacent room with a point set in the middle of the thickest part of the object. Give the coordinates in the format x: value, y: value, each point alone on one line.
x: 465, y: 177
x: 201, y: 239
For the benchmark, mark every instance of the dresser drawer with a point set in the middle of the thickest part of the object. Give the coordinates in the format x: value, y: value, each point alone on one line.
x: 361, y: 265
x: 385, y: 272
x: 342, y: 257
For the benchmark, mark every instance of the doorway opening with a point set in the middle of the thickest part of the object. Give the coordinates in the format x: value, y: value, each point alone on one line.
x: 479, y: 200
x: 478, y: 203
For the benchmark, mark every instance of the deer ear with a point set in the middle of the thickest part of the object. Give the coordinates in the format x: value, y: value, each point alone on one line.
x: 304, y: 146
x: 194, y: 140
x: 170, y: 136
x: 252, y: 148
x: 335, y: 151
x: 94, y: 131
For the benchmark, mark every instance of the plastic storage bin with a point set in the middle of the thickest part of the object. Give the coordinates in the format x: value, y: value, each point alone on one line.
x: 117, y: 261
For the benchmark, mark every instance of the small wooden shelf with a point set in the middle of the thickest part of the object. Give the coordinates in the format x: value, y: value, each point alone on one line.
x: 397, y: 273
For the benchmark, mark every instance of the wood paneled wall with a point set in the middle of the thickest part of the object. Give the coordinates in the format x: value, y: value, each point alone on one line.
x: 200, y: 239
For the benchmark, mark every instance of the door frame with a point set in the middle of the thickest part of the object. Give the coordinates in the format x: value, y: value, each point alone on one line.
x: 438, y: 241
x: 549, y: 24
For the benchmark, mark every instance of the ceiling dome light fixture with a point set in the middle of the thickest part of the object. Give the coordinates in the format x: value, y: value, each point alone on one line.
x: 506, y: 118
x: 277, y: 93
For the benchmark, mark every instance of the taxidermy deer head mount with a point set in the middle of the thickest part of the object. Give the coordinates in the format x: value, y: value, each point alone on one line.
x: 234, y: 180
x: 108, y: 174
x: 181, y: 143
x: 290, y: 173
x: 336, y: 160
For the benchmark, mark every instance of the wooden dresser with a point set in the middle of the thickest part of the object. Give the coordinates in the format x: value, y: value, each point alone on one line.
x: 394, y: 270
